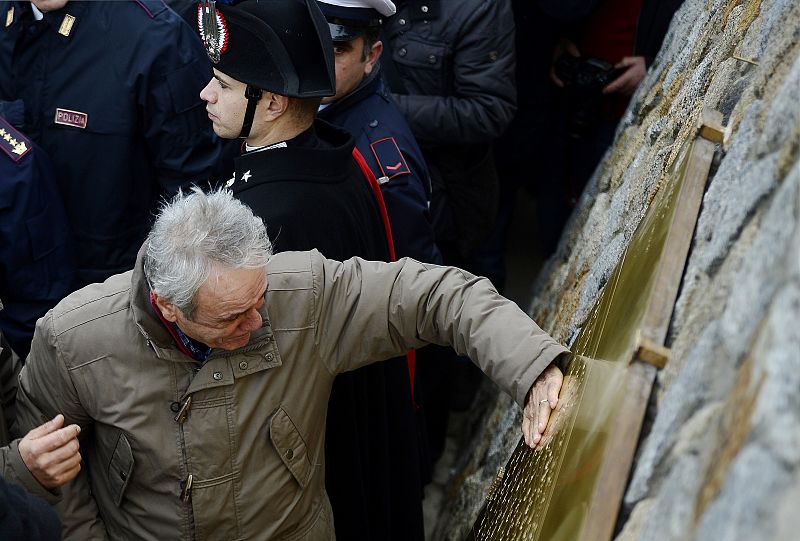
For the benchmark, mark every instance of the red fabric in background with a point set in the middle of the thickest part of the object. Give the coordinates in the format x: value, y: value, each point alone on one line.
x: 610, y: 32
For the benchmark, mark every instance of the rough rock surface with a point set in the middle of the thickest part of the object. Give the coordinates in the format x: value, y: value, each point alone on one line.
x: 720, y: 454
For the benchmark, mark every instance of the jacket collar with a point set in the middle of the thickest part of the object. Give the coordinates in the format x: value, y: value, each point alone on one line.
x: 68, y: 18
x: 369, y: 86
x: 326, y: 162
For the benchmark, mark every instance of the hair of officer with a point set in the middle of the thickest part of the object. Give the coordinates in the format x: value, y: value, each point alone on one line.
x: 371, y: 36
x: 303, y: 110
x: 195, y: 232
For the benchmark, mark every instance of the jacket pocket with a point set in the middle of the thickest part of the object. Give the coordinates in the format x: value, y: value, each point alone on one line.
x: 422, y: 64
x: 291, y: 447
x: 120, y: 468
x: 214, y: 508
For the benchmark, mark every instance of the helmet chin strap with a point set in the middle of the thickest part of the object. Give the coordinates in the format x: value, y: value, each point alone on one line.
x: 253, y: 94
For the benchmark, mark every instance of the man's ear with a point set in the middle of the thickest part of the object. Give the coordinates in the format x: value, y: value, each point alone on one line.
x: 168, y: 310
x: 373, y: 57
x: 273, y: 105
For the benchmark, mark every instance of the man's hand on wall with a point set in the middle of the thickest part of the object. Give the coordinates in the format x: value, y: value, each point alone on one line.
x: 51, y: 452
x: 542, y: 400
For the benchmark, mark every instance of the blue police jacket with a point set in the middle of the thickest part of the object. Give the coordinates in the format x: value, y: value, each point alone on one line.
x: 384, y: 139
x: 111, y: 92
x: 36, y: 266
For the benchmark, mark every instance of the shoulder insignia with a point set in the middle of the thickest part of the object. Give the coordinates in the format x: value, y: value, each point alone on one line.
x: 13, y: 143
x: 66, y: 25
x: 390, y: 159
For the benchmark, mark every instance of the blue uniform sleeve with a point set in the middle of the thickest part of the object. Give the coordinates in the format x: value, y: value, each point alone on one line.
x: 37, y: 267
x: 404, y: 186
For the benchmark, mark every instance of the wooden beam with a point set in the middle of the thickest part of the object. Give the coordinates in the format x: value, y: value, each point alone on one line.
x: 624, y: 435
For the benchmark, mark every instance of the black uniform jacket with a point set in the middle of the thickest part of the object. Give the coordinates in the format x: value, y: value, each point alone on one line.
x: 312, y: 194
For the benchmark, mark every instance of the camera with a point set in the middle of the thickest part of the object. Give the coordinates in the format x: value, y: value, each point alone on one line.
x: 584, y: 79
x: 585, y: 72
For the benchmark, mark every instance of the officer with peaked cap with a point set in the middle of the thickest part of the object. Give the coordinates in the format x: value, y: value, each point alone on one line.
x: 273, y: 63
x: 363, y: 107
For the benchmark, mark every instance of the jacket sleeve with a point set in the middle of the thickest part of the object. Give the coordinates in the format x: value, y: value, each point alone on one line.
x: 371, y: 311
x: 409, y: 215
x: 45, y: 389
x: 180, y: 138
x: 483, y: 98
x: 12, y: 467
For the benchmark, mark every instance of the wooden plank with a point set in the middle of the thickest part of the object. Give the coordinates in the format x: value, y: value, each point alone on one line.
x: 676, y: 247
x: 621, y: 447
x: 619, y: 452
x: 571, y: 487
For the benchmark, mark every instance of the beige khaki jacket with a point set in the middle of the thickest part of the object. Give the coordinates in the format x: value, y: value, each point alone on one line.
x: 247, y: 427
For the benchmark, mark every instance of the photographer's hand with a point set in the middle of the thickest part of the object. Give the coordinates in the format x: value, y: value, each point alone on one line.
x: 629, y: 80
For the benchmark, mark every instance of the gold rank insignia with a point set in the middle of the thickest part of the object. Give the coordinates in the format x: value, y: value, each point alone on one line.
x: 10, y: 16
x: 12, y: 142
x: 66, y: 25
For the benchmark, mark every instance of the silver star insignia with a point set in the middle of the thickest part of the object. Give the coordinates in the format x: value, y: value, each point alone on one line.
x: 246, y: 175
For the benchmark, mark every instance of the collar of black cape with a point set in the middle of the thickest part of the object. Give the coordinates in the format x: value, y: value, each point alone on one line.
x: 330, y: 161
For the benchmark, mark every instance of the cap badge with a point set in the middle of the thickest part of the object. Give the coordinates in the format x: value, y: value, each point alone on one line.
x: 213, y: 29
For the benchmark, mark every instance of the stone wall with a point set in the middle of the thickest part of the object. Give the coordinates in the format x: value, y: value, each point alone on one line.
x: 719, y: 457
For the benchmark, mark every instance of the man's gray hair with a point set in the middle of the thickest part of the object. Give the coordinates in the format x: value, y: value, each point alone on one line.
x: 193, y: 233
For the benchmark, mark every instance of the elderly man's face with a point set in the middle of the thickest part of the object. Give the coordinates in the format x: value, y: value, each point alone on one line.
x: 225, y: 104
x: 352, y: 65
x: 226, y: 309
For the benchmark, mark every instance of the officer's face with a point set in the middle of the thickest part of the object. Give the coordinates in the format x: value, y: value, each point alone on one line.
x: 226, y: 309
x: 352, y: 65
x: 225, y: 104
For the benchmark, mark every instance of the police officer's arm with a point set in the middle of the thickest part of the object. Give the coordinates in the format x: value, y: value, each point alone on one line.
x: 45, y: 389
x: 370, y: 311
x: 180, y: 140
x: 409, y: 215
x: 484, y: 98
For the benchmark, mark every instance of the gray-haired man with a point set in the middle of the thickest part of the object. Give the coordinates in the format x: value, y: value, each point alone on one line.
x: 230, y: 446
